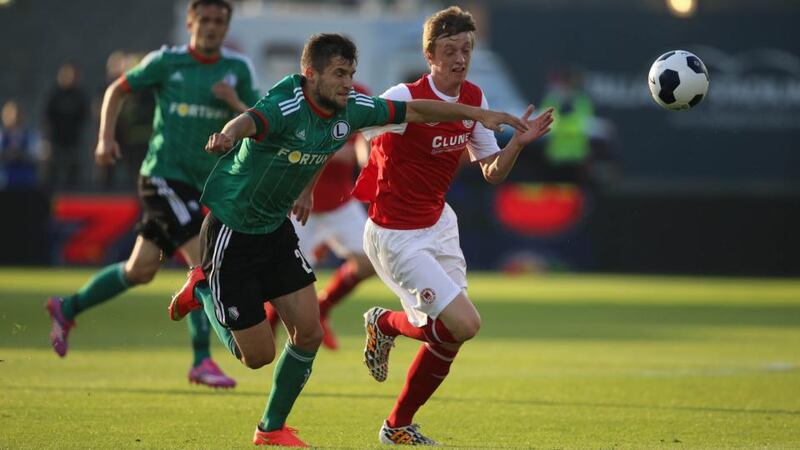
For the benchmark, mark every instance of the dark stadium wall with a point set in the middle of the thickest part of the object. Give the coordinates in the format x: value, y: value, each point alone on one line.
x: 686, y: 233
x: 744, y: 133
x: 696, y: 233
x: 36, y: 36
x: 25, y: 233
x: 712, y: 191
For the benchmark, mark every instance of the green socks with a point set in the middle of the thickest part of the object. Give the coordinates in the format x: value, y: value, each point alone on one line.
x: 199, y: 331
x: 110, y: 281
x: 105, y: 284
x: 204, y: 296
x: 291, y: 374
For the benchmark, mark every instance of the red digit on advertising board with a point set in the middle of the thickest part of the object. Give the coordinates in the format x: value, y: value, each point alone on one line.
x: 102, y: 219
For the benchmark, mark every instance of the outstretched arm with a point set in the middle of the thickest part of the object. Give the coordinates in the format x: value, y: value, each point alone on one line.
x: 421, y: 111
x: 497, y: 167
x: 240, y: 127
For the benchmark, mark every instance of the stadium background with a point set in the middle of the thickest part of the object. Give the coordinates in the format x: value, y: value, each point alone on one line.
x: 712, y: 191
x: 593, y: 343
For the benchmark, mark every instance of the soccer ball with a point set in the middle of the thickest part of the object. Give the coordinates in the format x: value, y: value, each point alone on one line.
x: 678, y: 80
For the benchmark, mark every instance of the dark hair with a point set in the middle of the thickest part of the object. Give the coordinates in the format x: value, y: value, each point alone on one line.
x: 194, y: 4
x: 321, y: 48
x: 447, y: 22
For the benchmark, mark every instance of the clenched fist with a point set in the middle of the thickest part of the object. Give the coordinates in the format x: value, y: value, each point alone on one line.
x: 219, y: 143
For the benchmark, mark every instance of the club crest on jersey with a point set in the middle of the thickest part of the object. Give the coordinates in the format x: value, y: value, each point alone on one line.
x: 468, y: 123
x: 428, y: 296
x: 340, y: 130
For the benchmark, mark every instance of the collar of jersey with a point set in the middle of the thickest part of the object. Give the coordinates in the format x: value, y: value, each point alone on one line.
x: 202, y: 59
x: 440, y: 94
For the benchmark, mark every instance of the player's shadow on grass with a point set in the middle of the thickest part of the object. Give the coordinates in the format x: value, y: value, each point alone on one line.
x: 630, y: 321
x: 23, y: 323
x: 714, y: 409
x: 372, y: 396
x: 534, y: 402
x: 199, y: 391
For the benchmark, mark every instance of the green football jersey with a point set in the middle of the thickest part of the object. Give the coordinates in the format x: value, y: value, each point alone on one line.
x: 187, y: 111
x: 253, y: 186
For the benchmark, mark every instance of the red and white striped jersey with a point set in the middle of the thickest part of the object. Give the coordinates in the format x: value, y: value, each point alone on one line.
x: 412, y: 165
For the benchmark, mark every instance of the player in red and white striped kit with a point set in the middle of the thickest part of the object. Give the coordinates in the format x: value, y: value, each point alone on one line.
x: 411, y: 236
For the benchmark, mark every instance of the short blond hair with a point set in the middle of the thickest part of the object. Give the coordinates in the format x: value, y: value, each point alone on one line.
x: 447, y: 22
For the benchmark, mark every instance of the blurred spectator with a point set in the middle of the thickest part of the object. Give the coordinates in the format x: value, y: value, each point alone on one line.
x: 547, y: 205
x: 576, y: 160
x: 578, y: 149
x: 66, y: 111
x: 19, y: 150
x: 134, y: 125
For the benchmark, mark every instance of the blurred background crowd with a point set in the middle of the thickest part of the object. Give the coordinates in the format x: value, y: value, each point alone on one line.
x: 619, y: 185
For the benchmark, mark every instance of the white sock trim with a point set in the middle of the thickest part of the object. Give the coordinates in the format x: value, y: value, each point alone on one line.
x: 437, y: 354
x: 296, y: 355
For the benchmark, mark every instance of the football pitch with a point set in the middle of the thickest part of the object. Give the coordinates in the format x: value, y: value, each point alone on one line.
x: 562, y: 361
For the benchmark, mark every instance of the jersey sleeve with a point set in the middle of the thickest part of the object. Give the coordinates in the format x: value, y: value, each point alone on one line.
x: 365, y: 111
x: 268, y: 118
x: 247, y: 86
x: 397, y: 93
x: 482, y: 143
x: 149, y: 72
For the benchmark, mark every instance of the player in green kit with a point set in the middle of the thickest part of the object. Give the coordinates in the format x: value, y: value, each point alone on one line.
x: 274, y: 153
x: 198, y: 88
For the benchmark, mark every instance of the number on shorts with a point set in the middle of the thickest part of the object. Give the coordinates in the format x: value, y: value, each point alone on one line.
x: 303, y: 261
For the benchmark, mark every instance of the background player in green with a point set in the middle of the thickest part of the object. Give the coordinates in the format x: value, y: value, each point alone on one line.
x: 198, y: 88
x: 250, y: 250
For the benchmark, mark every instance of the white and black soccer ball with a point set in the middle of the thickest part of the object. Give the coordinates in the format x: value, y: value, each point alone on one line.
x: 678, y: 80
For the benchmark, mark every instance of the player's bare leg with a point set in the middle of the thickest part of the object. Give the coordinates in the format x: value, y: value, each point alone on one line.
x: 461, y: 319
x: 300, y: 314
x: 256, y: 344
x: 144, y: 262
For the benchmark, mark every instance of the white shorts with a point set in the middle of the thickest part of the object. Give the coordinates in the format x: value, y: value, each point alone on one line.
x: 341, y: 229
x: 424, y: 267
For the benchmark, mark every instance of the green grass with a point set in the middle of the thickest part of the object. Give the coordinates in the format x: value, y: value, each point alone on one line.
x: 561, y: 362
